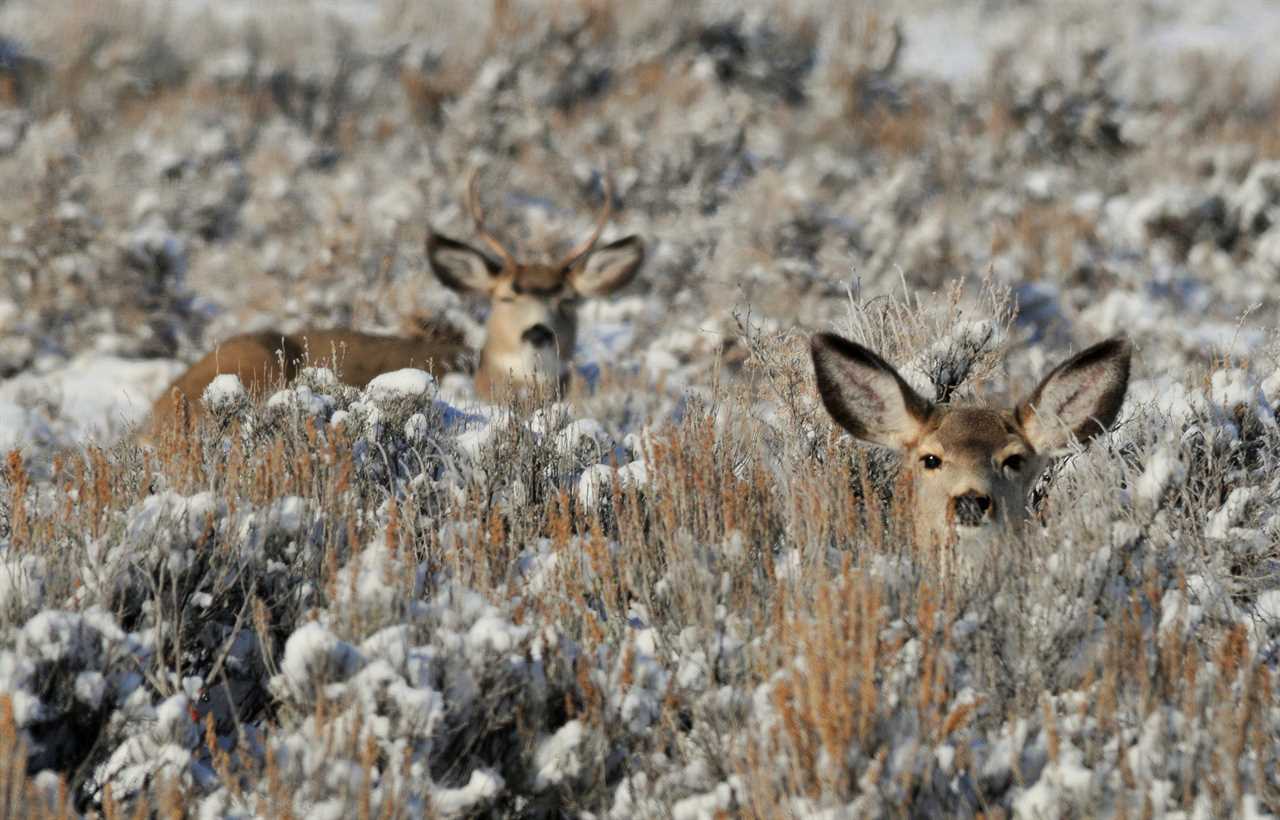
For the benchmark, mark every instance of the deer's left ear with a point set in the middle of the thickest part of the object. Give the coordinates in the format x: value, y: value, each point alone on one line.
x: 608, y: 268
x: 1079, y: 399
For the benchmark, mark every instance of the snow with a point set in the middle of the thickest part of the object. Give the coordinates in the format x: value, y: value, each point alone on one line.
x: 482, y: 787
x: 303, y: 399
x: 339, y: 418
x: 370, y: 581
x: 490, y: 676
x: 163, y: 746
x: 90, y: 688
x: 314, y: 656
x: 154, y: 245
x: 224, y: 393
x: 417, y: 429
x: 22, y: 583
x: 1164, y: 470
x: 171, y: 521
x: 1237, y: 29
x: 1178, y: 613
x: 286, y: 514
x: 958, y: 44
x: 55, y: 636
x: 242, y: 12
x: 493, y: 633
x: 1235, y: 390
x: 595, y: 484
x: 319, y: 376
x: 709, y: 805
x: 93, y: 396
x: 557, y: 758
x: 473, y: 441
x: 398, y: 384
x: 1064, y: 782
x: 1226, y: 519
x: 955, y: 44
x: 634, y: 475
x: 580, y: 433
x: 1268, y: 607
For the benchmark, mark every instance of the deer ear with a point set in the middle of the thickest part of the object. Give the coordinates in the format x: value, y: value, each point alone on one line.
x: 609, y: 268
x: 1079, y: 399
x: 459, y: 266
x: 865, y: 395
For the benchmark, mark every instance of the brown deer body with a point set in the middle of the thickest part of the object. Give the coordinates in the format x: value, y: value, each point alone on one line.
x: 266, y: 360
x: 529, y: 337
x: 968, y: 470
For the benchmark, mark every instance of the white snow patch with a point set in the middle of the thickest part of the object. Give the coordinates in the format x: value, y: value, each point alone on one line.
x: 369, y: 580
x: 595, y: 484
x: 1268, y: 607
x: 1164, y: 470
x: 406, y: 383
x: 90, y: 687
x: 483, y: 786
x: 302, y: 398
x: 712, y: 804
x: 582, y: 433
x: 557, y: 758
x: 314, y: 656
x: 493, y: 633
x: 417, y: 429
x: 634, y: 475
x: 170, y: 520
x: 224, y: 393
x: 22, y: 583
x: 92, y: 396
x: 1227, y: 518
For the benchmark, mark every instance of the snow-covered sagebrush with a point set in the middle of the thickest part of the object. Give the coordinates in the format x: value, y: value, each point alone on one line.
x: 676, y: 590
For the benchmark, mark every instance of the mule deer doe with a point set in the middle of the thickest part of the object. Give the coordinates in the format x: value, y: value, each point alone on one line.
x: 529, y: 336
x: 968, y: 470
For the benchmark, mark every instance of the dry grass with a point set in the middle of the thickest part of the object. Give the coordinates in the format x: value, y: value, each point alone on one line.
x: 789, y: 557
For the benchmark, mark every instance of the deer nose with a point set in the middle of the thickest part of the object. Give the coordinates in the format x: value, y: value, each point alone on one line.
x: 971, y: 508
x: 539, y: 336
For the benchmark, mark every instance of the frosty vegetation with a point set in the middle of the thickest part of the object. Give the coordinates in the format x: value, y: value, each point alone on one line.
x: 677, y: 591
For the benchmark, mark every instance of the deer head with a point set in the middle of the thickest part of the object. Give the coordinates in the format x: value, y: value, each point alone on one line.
x: 970, y: 468
x: 533, y: 321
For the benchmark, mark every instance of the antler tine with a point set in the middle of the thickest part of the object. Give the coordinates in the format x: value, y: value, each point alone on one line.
x: 584, y: 247
x: 473, y: 206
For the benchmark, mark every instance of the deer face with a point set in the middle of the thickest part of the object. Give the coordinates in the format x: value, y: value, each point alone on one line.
x: 970, y: 468
x: 533, y: 322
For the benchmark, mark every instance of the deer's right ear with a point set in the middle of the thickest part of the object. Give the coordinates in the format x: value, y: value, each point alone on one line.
x: 865, y: 395
x: 609, y: 268
x: 459, y: 266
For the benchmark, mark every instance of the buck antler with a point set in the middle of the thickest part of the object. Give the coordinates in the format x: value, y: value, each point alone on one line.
x: 583, y: 248
x: 473, y: 205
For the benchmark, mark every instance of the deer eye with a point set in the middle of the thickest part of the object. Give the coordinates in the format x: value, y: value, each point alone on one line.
x: 1013, y: 463
x: 931, y: 462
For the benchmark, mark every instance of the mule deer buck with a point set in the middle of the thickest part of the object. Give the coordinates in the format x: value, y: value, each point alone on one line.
x: 529, y: 336
x: 968, y: 470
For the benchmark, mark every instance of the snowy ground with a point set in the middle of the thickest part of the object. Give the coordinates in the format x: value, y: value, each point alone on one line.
x: 679, y: 593
x: 93, y: 397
